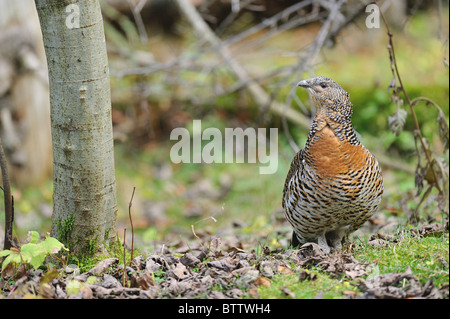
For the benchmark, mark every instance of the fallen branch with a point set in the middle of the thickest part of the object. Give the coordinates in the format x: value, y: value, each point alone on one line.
x: 259, y: 95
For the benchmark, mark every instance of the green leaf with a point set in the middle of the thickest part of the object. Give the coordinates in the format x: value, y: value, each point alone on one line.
x: 52, y: 245
x: 33, y: 237
x: 5, y: 252
x: 34, y: 254
x: 12, y: 258
x: 37, y: 260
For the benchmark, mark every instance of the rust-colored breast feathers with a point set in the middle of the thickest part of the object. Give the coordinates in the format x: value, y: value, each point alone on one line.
x: 330, y: 156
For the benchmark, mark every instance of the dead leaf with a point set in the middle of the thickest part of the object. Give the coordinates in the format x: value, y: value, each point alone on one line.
x: 86, y: 292
x: 350, y: 293
x: 262, y: 281
x: 288, y: 292
x: 377, y: 243
x: 103, y: 266
x: 110, y: 282
x: 233, y: 251
x: 8, y: 271
x: 227, y: 264
x: 432, y: 230
x: 254, y: 293
x: 398, y: 286
x: 144, y: 281
x: 46, y: 291
x: 267, y: 268
x: 214, y: 245
x: 178, y: 271
x: 306, y: 275
x: 312, y: 250
x: 284, y: 270
x: 397, y: 120
x: 190, y: 260
x: 247, y: 274
x: 151, y: 265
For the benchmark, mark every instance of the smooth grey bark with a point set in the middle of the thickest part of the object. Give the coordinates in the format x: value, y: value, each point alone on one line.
x: 84, y: 198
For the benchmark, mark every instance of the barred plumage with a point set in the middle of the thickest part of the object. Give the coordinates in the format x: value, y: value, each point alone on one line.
x: 334, y: 183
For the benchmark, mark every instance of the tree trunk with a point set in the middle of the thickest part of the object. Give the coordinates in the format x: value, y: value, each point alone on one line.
x: 84, y: 198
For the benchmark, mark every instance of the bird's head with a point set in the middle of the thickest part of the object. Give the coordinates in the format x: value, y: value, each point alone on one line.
x: 326, y: 93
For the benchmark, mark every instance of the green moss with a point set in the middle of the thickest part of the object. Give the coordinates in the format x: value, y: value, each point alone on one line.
x: 322, y: 286
x: 86, y: 249
x: 427, y: 257
x: 65, y: 228
x: 91, y: 256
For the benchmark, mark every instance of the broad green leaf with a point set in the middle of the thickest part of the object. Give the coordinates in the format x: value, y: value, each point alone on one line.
x: 37, y: 260
x: 33, y: 237
x: 34, y: 254
x: 12, y: 258
x: 52, y: 245
x: 5, y: 252
x: 6, y: 262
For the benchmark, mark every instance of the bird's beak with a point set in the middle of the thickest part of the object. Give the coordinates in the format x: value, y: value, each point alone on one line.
x: 303, y: 84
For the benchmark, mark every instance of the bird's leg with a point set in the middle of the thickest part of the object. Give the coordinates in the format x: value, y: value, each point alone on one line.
x: 322, y: 242
x: 336, y: 243
x: 294, y: 241
x: 335, y: 237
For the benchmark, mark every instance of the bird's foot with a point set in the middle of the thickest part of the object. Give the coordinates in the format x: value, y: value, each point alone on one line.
x: 322, y: 241
x: 335, y: 238
x: 336, y: 244
x: 294, y: 241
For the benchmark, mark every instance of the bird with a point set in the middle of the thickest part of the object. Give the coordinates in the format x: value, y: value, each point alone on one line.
x: 334, y: 184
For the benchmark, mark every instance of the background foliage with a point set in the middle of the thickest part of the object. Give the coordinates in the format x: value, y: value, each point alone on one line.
x: 165, y: 75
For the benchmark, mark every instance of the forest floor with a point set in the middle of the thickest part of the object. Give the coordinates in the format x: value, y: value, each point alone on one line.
x: 413, y: 263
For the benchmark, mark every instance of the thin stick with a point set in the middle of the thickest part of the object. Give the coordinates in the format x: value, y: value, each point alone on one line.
x: 416, y: 122
x: 131, y: 223
x: 9, y: 212
x: 124, y: 257
x: 138, y: 19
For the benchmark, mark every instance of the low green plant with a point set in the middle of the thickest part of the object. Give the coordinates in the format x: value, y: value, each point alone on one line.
x: 427, y: 257
x: 33, y: 252
x: 320, y: 285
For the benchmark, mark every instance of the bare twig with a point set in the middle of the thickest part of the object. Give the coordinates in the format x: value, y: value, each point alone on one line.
x: 136, y: 10
x: 9, y: 211
x: 434, y: 171
x: 131, y: 223
x: 258, y: 93
x: 124, y: 274
x: 408, y: 100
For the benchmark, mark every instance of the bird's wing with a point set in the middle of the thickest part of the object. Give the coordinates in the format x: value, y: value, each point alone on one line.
x: 296, y: 165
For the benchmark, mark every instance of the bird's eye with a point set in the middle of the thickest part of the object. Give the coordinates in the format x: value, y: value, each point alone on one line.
x: 323, y: 85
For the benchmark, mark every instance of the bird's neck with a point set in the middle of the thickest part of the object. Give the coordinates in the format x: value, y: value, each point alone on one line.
x: 340, y: 127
